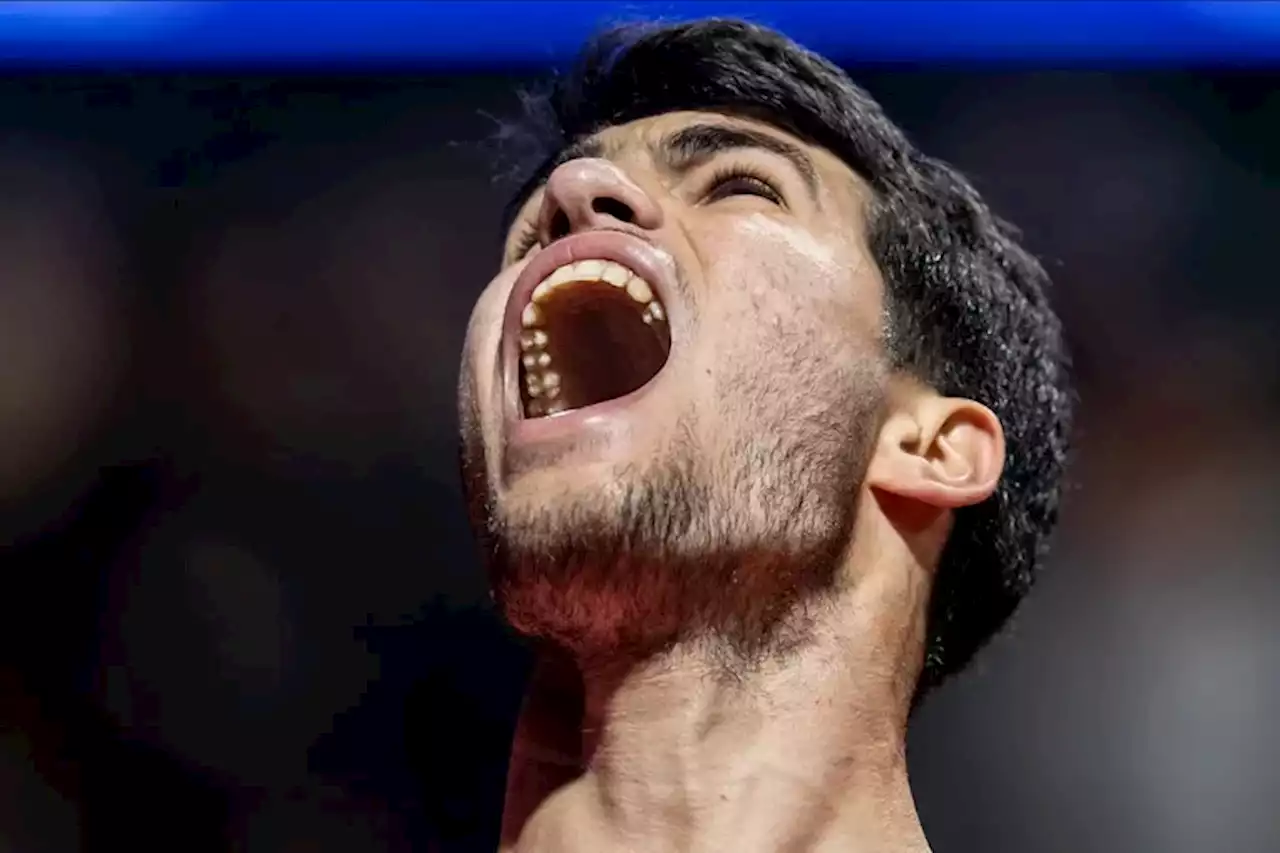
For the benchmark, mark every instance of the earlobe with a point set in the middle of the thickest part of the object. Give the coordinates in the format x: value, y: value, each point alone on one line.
x: 946, y: 452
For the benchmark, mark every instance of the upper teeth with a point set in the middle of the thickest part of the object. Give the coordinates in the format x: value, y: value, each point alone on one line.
x: 587, y: 271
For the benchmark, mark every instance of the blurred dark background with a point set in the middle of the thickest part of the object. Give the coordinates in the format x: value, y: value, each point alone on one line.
x: 239, y: 607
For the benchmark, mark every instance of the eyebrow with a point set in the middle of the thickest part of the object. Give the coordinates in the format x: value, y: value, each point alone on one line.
x: 692, y: 146
x: 580, y: 149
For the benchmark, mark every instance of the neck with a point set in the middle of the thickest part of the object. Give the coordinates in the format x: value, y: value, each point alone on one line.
x: 801, y: 753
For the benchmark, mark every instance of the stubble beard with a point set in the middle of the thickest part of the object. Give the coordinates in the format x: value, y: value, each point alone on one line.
x: 735, y: 553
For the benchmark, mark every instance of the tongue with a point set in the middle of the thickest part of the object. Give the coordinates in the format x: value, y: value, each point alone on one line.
x: 599, y: 343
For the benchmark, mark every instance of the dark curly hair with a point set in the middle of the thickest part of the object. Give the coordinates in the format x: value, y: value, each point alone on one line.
x: 967, y: 311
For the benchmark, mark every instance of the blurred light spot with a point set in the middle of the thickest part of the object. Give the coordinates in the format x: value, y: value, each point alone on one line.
x: 60, y: 329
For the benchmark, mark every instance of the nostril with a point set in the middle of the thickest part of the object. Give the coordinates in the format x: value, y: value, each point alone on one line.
x: 559, y: 225
x: 606, y: 206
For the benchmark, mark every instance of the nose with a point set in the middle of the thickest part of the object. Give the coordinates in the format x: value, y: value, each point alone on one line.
x: 590, y: 195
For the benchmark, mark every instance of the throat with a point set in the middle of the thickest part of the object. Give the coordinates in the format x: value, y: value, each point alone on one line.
x: 676, y: 756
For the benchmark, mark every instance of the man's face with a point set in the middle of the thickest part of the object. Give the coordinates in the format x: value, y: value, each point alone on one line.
x: 623, y: 507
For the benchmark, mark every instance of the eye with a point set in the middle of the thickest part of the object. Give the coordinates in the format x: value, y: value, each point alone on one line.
x: 737, y: 180
x: 528, y: 238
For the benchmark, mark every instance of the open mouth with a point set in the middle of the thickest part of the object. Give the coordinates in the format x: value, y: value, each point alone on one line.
x: 593, y: 331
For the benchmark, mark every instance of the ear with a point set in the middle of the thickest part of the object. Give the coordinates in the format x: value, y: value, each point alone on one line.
x: 945, y: 452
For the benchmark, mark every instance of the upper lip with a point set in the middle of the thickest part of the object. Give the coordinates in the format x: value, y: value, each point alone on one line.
x: 642, y: 257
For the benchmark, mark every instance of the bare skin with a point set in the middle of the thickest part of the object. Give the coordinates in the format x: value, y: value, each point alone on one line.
x: 731, y: 577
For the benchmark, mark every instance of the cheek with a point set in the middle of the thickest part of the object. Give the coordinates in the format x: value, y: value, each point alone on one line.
x: 484, y: 332
x: 788, y: 337
x: 778, y: 293
x: 485, y: 325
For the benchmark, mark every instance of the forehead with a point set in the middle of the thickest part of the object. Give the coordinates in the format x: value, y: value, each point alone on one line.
x: 636, y: 144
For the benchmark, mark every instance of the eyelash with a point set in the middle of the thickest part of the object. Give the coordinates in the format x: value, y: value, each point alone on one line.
x: 529, y: 237
x: 744, y: 175
x: 760, y: 185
